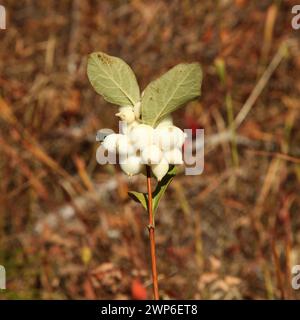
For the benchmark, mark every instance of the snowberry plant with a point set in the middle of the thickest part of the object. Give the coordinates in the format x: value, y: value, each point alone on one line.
x: 149, y: 143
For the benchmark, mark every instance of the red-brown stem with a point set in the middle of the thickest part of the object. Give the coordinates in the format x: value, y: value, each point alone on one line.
x: 151, y: 228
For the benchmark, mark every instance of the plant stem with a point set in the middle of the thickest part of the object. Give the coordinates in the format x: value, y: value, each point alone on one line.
x: 151, y: 228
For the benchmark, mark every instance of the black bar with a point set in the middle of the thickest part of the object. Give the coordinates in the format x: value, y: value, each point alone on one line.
x: 96, y: 310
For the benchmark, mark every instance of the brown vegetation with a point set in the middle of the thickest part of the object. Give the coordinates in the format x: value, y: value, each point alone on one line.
x: 67, y: 226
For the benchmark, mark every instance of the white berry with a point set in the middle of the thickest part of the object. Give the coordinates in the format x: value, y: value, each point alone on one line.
x: 126, y: 114
x: 124, y: 146
x: 151, y: 155
x: 132, y: 165
x: 125, y: 127
x: 110, y: 142
x: 169, y: 137
x: 160, y: 169
x: 173, y: 156
x: 141, y: 136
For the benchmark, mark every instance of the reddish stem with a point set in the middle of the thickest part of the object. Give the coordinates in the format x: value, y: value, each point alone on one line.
x: 151, y: 228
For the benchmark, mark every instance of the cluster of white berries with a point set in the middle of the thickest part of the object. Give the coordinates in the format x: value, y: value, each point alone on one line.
x: 140, y: 144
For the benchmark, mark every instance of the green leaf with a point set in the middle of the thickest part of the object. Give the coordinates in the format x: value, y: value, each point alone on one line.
x: 166, y: 94
x: 157, y: 194
x: 139, y: 197
x: 162, y: 186
x: 113, y: 79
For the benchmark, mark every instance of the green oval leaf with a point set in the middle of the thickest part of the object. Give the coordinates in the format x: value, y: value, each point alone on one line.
x: 157, y: 194
x: 139, y: 197
x: 162, y: 186
x: 166, y: 94
x: 113, y: 79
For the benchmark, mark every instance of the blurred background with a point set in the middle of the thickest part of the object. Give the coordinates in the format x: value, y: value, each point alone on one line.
x: 67, y: 227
